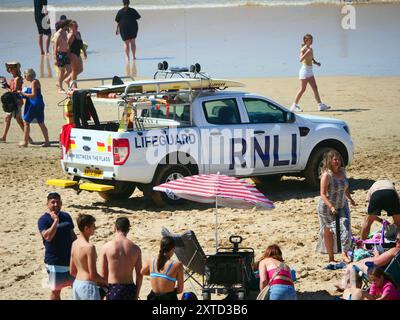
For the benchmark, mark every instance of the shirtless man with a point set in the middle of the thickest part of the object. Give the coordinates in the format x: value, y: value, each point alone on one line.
x: 60, y: 52
x: 381, y: 196
x: 83, y: 262
x: 120, y: 257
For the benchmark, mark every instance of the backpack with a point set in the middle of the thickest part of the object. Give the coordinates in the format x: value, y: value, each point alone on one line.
x: 10, y: 102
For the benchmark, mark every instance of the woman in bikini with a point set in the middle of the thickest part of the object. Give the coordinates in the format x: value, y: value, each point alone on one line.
x: 164, y: 273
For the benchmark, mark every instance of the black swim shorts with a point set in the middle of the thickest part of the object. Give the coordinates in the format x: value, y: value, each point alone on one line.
x: 62, y: 59
x: 121, y: 292
x: 387, y: 200
x: 39, y: 19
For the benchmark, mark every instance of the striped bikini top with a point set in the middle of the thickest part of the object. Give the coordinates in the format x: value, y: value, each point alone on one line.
x: 162, y: 275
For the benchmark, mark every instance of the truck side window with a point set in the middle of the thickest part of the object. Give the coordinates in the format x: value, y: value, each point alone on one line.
x: 222, y: 111
x: 261, y: 111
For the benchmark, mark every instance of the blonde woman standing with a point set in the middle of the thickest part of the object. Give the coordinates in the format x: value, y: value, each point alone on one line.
x: 306, y: 75
x: 34, y: 108
x: 334, y: 193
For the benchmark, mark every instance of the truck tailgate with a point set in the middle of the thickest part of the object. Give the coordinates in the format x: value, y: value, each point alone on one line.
x: 90, y: 154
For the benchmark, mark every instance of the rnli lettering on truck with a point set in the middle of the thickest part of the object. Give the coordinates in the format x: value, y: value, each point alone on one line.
x: 262, y: 152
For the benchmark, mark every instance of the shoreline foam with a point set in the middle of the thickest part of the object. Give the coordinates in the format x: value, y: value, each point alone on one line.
x: 64, y: 8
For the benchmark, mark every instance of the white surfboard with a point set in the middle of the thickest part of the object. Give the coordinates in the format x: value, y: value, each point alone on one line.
x: 167, y: 84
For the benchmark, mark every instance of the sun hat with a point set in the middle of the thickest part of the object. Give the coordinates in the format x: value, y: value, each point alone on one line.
x: 13, y: 63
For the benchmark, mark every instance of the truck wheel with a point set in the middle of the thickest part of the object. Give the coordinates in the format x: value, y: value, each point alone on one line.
x: 122, y: 191
x: 312, y: 172
x: 165, y: 174
x: 206, y: 295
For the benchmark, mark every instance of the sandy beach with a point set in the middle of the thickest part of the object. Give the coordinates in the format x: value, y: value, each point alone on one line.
x: 369, y: 105
x: 257, y: 45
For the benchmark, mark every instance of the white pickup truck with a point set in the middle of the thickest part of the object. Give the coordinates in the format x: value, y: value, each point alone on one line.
x: 177, y: 127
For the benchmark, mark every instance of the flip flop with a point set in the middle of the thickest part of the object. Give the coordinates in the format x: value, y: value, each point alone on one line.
x: 330, y: 266
x: 340, y: 265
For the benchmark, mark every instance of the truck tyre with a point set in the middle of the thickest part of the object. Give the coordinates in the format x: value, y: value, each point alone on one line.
x: 165, y: 174
x: 312, y: 172
x: 122, y: 191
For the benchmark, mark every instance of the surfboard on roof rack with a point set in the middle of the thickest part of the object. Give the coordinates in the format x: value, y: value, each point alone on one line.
x: 143, y: 86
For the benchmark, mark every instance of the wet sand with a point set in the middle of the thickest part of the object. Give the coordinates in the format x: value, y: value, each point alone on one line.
x: 369, y: 105
x: 247, y: 41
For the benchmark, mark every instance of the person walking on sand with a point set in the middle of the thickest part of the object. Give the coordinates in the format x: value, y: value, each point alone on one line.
x: 43, y: 24
x: 306, y: 75
x: 34, y: 108
x: 127, y: 26
x: 83, y: 262
x: 60, y: 51
x: 381, y: 196
x: 15, y: 85
x: 57, y: 231
x: 120, y: 257
x: 333, y: 204
x: 164, y: 273
x: 75, y: 43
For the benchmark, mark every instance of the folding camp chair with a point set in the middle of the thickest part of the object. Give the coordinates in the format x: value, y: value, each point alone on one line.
x: 393, y: 269
x: 229, y: 271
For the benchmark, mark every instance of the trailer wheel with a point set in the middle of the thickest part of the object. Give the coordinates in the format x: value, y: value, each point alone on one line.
x: 165, y: 174
x: 122, y: 191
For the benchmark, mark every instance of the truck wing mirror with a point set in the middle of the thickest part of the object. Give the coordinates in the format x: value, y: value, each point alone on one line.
x: 290, y: 117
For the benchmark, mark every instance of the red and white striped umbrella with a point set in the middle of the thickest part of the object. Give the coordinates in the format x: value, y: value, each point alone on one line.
x: 209, y: 188
x: 223, y: 190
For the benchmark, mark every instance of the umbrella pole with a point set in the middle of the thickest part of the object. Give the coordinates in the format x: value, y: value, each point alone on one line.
x: 216, y: 225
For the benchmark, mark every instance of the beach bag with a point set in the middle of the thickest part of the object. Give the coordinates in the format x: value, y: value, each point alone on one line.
x: 9, y: 101
x: 264, y: 293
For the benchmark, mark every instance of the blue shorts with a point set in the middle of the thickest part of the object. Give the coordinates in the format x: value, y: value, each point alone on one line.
x: 59, y: 277
x: 85, y: 290
x: 282, y: 292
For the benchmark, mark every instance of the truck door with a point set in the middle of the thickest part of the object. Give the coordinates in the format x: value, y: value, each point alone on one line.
x: 274, y: 145
x: 223, y: 123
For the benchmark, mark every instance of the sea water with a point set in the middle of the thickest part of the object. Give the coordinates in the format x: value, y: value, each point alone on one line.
x: 81, y: 5
x: 233, y: 41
